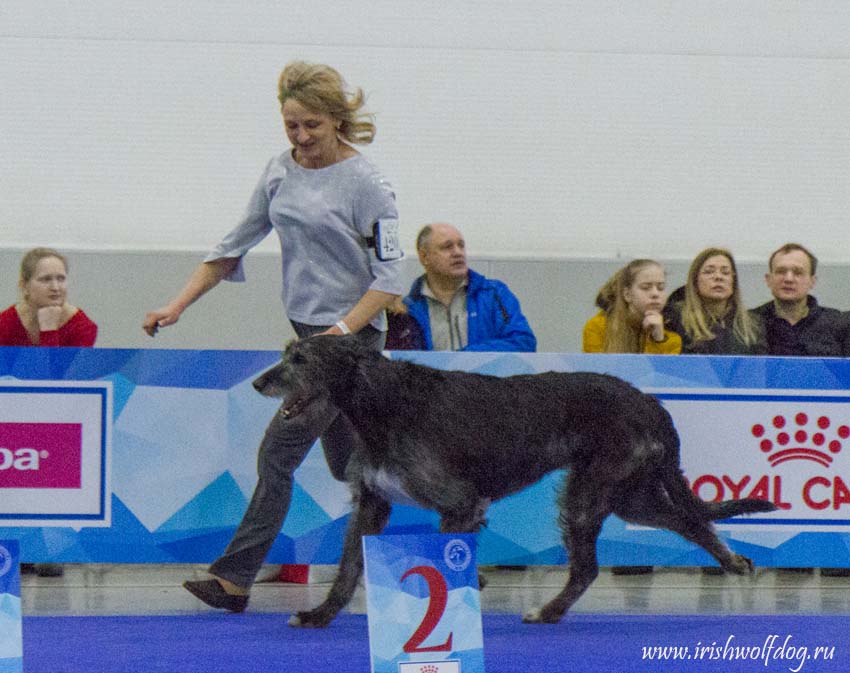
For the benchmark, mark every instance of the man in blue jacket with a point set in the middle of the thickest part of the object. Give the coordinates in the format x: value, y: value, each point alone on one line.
x: 457, y: 308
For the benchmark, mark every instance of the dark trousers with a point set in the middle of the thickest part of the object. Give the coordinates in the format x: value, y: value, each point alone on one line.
x: 284, y: 446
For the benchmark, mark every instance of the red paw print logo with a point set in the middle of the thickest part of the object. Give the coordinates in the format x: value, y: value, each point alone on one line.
x: 800, y: 438
x: 428, y: 668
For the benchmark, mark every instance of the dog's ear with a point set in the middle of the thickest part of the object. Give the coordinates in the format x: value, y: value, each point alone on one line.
x: 351, y: 350
x: 287, y: 347
x: 365, y: 363
x: 347, y: 345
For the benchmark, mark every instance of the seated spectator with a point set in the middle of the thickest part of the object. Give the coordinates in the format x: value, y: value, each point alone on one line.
x: 43, y: 316
x: 710, y: 316
x: 630, y: 319
x: 459, y: 309
x: 454, y: 308
x: 708, y: 312
x: 794, y: 322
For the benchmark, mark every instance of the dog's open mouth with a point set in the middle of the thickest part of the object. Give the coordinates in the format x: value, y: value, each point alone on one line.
x: 294, y: 406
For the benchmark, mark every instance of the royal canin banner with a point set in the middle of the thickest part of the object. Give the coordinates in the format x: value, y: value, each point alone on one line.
x: 789, y: 447
x: 54, y: 453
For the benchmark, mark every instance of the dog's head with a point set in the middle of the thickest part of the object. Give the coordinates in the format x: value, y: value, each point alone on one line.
x: 318, y: 367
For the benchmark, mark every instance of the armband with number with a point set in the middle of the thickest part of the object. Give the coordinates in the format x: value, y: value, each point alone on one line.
x: 384, y: 240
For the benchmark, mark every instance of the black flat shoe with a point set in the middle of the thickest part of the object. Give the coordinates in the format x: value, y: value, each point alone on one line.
x: 713, y: 570
x: 49, y: 569
x: 214, y: 595
x: 631, y: 570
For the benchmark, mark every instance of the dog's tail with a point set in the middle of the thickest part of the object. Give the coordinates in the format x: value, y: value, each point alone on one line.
x: 680, y: 493
x: 682, y: 496
x: 726, y: 509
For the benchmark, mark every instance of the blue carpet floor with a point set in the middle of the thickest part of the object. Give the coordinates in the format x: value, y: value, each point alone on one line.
x: 583, y: 643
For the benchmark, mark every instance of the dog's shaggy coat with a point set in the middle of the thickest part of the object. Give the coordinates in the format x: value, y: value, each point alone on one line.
x: 456, y: 441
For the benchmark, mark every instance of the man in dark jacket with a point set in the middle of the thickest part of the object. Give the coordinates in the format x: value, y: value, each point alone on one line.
x: 794, y: 322
x: 457, y: 308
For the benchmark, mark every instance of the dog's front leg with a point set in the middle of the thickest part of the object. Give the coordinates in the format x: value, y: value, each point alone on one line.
x: 369, y: 517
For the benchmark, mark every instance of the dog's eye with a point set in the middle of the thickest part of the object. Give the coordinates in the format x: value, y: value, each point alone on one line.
x: 297, y: 359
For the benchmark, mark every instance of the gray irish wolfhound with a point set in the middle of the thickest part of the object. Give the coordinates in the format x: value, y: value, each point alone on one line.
x: 456, y: 441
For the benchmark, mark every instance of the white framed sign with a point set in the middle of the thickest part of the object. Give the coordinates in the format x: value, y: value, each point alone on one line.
x: 55, y: 453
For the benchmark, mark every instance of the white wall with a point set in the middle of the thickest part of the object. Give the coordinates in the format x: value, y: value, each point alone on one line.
x: 585, y: 129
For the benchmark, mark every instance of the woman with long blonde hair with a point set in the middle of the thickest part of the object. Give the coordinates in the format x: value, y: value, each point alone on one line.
x: 711, y: 317
x: 630, y: 319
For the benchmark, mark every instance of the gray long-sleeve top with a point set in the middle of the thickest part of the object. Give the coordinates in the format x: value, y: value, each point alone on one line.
x: 323, y: 218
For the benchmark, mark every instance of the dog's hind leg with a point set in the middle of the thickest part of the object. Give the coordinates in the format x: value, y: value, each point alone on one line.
x: 369, y: 517
x: 647, y: 504
x: 583, y: 510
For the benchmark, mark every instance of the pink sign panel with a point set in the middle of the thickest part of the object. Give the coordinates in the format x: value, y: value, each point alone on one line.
x: 41, y: 455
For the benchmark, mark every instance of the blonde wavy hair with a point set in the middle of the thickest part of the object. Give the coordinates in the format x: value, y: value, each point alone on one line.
x: 322, y: 90
x: 698, y: 322
x: 622, y: 333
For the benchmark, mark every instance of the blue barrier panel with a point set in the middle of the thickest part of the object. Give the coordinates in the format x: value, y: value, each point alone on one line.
x: 186, y: 424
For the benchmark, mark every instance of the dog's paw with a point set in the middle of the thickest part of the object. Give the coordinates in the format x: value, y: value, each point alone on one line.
x: 532, y: 616
x: 308, y: 620
x: 741, y: 565
x: 540, y: 616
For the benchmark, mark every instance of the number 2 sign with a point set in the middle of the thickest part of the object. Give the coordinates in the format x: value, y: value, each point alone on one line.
x: 423, y: 604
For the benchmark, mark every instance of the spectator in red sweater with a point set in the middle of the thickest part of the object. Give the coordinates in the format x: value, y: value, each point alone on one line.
x: 43, y: 316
